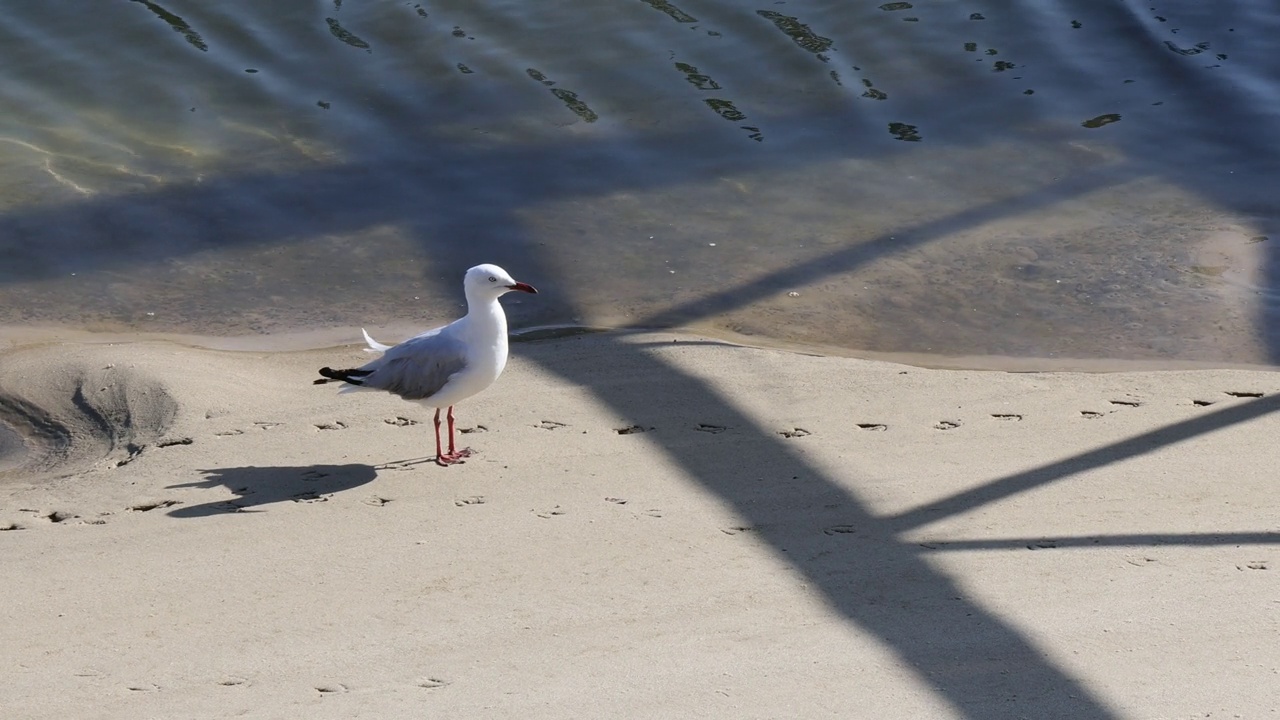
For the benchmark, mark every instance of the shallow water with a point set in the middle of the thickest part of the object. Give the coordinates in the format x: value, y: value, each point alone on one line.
x: 924, y: 177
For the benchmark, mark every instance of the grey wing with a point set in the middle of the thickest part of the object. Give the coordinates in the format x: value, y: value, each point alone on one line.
x: 417, y: 368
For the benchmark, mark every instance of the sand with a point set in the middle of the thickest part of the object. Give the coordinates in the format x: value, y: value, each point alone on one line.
x: 652, y: 526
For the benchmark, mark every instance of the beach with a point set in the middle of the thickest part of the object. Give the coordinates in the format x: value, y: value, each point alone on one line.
x: 652, y: 525
x: 890, y: 360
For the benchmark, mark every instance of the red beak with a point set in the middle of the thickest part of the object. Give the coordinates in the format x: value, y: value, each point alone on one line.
x: 522, y: 287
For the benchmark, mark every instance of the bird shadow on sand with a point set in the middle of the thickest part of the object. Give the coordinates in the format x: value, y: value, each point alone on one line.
x: 256, y: 486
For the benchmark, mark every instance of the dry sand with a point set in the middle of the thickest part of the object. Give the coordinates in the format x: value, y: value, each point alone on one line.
x: 653, y: 526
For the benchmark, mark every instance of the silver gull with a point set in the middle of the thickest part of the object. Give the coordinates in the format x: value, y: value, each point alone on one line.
x: 444, y: 366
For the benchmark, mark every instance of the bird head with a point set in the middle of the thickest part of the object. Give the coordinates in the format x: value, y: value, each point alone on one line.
x: 492, y: 281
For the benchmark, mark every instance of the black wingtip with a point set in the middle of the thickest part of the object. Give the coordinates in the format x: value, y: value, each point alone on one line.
x: 347, y: 376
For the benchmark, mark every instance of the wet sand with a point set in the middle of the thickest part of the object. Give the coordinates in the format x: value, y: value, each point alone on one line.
x: 653, y: 524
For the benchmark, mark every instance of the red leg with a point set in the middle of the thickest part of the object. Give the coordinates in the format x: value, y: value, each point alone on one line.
x: 450, y: 414
x: 453, y: 456
x: 439, y: 452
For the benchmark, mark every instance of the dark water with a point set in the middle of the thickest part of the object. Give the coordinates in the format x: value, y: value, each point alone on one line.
x: 1037, y: 178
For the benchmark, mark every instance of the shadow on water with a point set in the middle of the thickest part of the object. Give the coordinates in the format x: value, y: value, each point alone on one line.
x: 458, y: 204
x: 896, y: 241
x: 256, y: 486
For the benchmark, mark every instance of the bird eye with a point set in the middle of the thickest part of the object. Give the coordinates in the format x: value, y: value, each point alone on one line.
x: 493, y: 279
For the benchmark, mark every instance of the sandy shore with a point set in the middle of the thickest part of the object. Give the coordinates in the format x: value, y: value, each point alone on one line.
x: 653, y: 526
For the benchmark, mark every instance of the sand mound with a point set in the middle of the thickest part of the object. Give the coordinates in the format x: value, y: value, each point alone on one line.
x: 60, y: 415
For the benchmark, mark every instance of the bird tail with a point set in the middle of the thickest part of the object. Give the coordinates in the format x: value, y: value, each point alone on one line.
x: 374, y: 345
x: 347, y: 376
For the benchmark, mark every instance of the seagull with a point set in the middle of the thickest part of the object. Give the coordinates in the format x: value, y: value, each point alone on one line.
x: 447, y: 365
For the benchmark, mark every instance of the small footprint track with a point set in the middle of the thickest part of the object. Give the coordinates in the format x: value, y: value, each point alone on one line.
x: 1117, y: 403
x: 1206, y: 402
x: 64, y: 518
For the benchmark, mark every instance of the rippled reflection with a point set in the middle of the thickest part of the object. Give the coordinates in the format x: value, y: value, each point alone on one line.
x: 346, y: 35
x: 179, y: 25
x: 672, y: 11
x: 798, y: 32
x: 1101, y: 120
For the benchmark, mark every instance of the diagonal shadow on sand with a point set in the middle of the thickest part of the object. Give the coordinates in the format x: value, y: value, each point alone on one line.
x: 255, y: 486
x: 978, y: 662
x: 1121, y: 450
x: 975, y: 660
x: 1052, y: 542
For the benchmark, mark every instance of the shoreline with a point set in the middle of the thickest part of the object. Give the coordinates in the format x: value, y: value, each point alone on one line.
x: 19, y: 337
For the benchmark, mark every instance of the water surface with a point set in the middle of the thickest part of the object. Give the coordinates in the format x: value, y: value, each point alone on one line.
x: 928, y: 177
